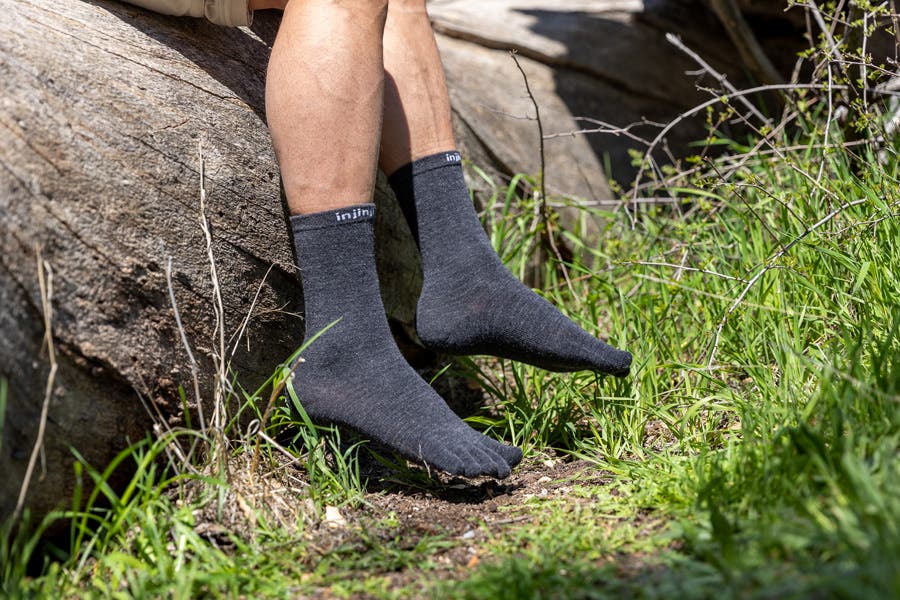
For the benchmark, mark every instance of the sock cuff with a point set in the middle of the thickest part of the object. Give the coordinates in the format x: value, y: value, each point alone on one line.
x: 333, y: 218
x: 423, y: 165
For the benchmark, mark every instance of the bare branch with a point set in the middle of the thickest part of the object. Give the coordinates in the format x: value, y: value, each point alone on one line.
x: 547, y: 232
x: 722, y: 79
x: 604, y: 127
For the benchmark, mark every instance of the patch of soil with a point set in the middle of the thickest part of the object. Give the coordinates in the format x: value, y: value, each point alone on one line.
x: 402, y: 508
x: 463, y: 512
x: 453, y: 506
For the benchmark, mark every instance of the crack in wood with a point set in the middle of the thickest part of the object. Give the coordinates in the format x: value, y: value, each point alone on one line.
x: 139, y: 63
x: 17, y: 134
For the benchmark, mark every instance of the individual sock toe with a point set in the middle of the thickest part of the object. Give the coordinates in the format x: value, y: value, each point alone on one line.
x: 480, y: 463
x: 494, y: 464
x: 448, y: 462
x: 493, y: 452
x: 511, y: 454
x: 501, y: 468
x: 443, y: 458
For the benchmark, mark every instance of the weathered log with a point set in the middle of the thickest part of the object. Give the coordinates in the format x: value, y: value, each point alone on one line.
x: 103, y: 107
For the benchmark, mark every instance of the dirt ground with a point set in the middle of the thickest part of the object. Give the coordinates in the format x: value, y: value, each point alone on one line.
x: 460, y: 511
x: 400, y: 510
x: 458, y: 505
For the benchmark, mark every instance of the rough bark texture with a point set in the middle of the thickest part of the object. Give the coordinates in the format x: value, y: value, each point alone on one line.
x: 102, y: 109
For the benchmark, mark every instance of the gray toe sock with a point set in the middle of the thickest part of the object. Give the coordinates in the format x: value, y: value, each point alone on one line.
x: 470, y: 302
x: 353, y: 374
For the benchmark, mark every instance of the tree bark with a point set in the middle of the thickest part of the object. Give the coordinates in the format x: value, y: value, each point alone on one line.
x: 104, y: 110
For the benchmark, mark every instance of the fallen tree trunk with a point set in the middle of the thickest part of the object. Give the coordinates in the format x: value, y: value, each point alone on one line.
x: 104, y: 110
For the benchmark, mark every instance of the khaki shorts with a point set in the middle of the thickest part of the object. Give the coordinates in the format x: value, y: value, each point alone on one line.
x: 230, y: 13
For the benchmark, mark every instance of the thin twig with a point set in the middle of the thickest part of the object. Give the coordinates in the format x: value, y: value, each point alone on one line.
x: 540, y: 125
x: 722, y: 79
x: 615, y: 202
x: 863, y: 67
x: 604, y: 127
x: 222, y: 387
x: 45, y: 283
x: 683, y: 268
x: 195, y: 370
x: 237, y: 335
x: 219, y: 415
x: 826, y: 31
x: 828, y: 119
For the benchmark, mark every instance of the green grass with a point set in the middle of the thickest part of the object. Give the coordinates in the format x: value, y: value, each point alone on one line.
x: 777, y: 473
x: 751, y: 453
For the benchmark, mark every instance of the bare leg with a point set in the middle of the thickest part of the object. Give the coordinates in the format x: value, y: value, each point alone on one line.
x: 416, y: 106
x: 324, y: 93
x: 324, y: 104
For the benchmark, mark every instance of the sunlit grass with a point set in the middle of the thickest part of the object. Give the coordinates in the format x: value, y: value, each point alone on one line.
x: 752, y: 451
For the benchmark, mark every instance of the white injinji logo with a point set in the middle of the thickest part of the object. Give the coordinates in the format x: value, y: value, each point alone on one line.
x: 353, y: 215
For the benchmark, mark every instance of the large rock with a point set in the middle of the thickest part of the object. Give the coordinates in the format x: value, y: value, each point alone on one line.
x: 605, y: 60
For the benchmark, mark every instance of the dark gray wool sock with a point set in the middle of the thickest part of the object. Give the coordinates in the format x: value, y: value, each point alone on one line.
x: 470, y: 302
x: 353, y: 374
